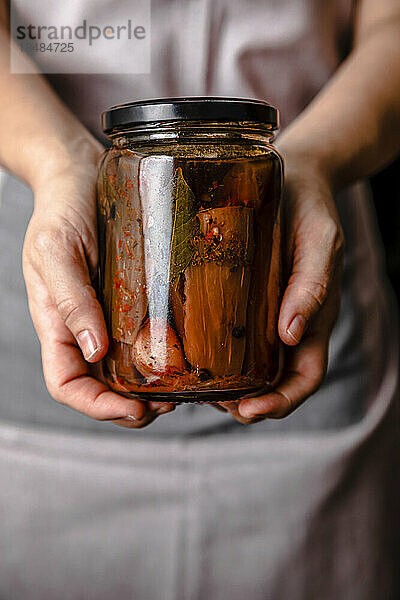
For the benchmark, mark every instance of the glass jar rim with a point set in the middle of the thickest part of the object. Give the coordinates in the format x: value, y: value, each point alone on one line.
x: 194, y: 108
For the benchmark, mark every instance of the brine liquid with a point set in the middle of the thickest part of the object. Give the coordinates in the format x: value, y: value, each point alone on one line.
x: 189, y: 274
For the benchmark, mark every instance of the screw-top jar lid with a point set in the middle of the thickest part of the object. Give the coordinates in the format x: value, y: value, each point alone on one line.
x: 196, y: 108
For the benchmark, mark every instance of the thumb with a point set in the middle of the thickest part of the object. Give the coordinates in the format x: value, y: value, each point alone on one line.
x: 81, y: 312
x: 65, y: 271
x: 314, y: 268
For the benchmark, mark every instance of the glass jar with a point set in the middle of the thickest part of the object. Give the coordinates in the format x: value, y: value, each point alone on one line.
x: 189, y: 248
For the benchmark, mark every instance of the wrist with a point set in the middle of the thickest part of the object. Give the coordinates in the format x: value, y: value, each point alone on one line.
x: 304, y: 164
x: 52, y: 158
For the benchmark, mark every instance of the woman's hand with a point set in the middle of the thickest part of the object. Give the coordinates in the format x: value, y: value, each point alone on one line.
x: 59, y: 263
x: 314, y: 243
x: 339, y: 138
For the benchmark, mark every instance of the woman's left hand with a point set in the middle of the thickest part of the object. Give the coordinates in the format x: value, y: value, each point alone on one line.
x: 60, y: 262
x: 310, y: 306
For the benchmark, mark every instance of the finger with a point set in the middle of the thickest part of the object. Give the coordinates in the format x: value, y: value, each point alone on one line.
x: 155, y: 409
x: 60, y: 257
x: 305, y: 371
x: 131, y: 423
x: 313, y: 271
x: 161, y: 408
x: 232, y: 407
x: 68, y: 381
x: 68, y: 377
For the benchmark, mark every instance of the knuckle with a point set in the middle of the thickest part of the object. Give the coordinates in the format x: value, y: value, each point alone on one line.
x: 92, y: 408
x: 54, y: 390
x: 317, y: 379
x: 287, y: 407
x: 43, y: 243
x: 83, y: 303
x: 317, y: 293
x: 317, y: 290
x: 89, y: 289
x: 68, y: 309
x: 96, y: 407
x: 315, y: 385
x: 333, y: 236
x: 55, y: 242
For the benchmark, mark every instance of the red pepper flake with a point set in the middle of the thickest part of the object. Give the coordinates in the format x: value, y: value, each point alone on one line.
x: 129, y: 183
x: 120, y: 380
x: 126, y: 308
x: 118, y: 279
x: 119, y: 243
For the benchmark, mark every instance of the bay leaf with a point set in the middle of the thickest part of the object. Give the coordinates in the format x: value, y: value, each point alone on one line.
x: 184, y: 225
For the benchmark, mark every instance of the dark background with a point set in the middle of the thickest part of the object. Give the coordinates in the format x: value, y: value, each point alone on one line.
x: 386, y: 193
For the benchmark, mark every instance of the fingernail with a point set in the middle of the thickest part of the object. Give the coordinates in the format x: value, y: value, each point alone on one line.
x: 87, y: 343
x: 296, y: 328
x: 133, y: 418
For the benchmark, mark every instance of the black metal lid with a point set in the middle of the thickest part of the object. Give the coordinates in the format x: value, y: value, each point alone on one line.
x: 195, y: 108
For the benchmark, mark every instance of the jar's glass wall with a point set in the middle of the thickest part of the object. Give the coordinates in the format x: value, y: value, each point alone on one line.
x: 189, y: 270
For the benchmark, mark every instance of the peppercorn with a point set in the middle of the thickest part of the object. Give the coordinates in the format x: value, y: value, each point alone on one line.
x: 238, y: 332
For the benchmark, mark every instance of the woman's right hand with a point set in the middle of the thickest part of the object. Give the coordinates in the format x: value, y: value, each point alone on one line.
x: 313, y: 255
x: 59, y: 263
